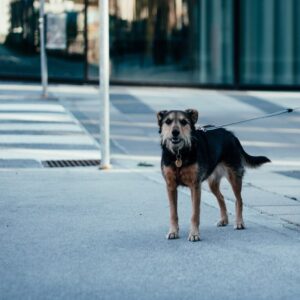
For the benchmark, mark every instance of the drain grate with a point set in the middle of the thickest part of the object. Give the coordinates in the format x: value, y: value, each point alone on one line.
x: 70, y: 163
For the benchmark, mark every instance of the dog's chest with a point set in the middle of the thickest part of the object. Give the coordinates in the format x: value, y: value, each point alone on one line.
x: 186, y: 176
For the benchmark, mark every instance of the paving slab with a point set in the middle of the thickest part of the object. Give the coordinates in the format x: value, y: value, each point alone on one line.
x: 281, y: 210
x: 256, y: 196
x: 293, y: 219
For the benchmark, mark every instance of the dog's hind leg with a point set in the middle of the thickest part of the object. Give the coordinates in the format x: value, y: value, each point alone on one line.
x: 214, y: 184
x: 235, y: 180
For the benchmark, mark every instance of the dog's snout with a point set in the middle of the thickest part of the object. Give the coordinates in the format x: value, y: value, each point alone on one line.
x: 175, y: 132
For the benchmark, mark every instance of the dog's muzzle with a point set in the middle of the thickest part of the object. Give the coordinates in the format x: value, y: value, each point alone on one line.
x: 175, y: 141
x: 175, y: 136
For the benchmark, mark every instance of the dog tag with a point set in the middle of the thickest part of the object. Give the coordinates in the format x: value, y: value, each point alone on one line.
x: 178, y: 163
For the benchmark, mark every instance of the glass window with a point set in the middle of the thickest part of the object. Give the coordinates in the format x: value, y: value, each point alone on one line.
x: 270, y: 42
x: 178, y: 41
x: 214, y: 33
x: 156, y: 41
x: 19, y: 38
x: 93, y: 40
x: 65, y: 39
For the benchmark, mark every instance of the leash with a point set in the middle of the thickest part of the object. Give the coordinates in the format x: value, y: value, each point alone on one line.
x: 277, y: 113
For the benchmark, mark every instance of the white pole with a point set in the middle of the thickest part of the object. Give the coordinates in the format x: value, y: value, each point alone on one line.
x: 104, y: 82
x: 44, y: 71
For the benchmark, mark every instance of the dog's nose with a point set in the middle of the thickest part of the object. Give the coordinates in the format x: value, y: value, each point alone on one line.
x: 175, y: 132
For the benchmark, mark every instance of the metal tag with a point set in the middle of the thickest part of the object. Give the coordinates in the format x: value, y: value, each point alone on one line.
x: 178, y: 163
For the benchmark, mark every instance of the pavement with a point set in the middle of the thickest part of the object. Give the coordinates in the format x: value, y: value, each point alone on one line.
x: 82, y: 233
x: 33, y: 130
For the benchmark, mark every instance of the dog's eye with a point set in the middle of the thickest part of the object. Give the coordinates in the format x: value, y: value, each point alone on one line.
x: 168, y: 121
x: 183, y: 122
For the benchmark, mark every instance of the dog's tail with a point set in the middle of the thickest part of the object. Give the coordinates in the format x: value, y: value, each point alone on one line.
x: 252, y: 161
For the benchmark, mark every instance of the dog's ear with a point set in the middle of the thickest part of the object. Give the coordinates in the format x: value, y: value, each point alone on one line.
x: 193, y: 115
x: 160, y: 115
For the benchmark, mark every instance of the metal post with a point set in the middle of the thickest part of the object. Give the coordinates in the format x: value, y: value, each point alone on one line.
x: 104, y: 82
x: 44, y: 71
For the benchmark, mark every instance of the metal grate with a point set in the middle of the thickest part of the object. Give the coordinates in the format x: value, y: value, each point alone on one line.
x: 69, y: 163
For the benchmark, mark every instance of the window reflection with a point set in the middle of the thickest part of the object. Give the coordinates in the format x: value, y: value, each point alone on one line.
x: 157, y: 41
x: 183, y: 41
x: 270, y: 42
x: 19, y: 38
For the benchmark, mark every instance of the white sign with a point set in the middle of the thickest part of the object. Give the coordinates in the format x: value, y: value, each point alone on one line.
x: 56, y: 31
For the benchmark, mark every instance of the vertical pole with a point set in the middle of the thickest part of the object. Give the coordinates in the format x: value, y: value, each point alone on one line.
x: 44, y: 71
x: 85, y: 68
x: 104, y: 82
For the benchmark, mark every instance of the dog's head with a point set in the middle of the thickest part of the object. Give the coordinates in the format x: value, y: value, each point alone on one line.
x: 175, y: 128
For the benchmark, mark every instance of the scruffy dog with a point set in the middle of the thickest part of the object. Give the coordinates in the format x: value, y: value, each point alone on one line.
x: 190, y: 156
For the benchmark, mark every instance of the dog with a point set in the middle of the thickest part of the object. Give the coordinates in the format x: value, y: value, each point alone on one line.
x: 191, y: 156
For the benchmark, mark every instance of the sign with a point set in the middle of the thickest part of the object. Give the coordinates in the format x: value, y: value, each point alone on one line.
x: 56, y: 31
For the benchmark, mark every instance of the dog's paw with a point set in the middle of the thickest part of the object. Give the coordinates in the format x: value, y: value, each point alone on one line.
x: 194, y: 236
x: 172, y: 235
x: 222, y: 222
x: 239, y: 225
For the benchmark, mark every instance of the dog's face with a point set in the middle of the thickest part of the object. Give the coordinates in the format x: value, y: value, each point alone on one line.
x: 175, y: 128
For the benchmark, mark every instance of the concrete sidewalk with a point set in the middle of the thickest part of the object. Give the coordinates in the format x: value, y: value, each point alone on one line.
x: 81, y: 233
x: 33, y: 130
x: 85, y: 234
x: 272, y: 190
x: 66, y: 126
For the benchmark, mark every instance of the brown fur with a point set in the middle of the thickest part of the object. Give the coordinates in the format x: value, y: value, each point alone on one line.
x: 187, y: 176
x: 182, y: 143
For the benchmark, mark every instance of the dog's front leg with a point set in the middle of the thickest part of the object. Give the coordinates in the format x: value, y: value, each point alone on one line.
x: 174, y: 228
x: 195, y: 220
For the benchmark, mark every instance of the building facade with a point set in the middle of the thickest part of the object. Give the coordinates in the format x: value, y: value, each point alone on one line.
x: 240, y: 44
